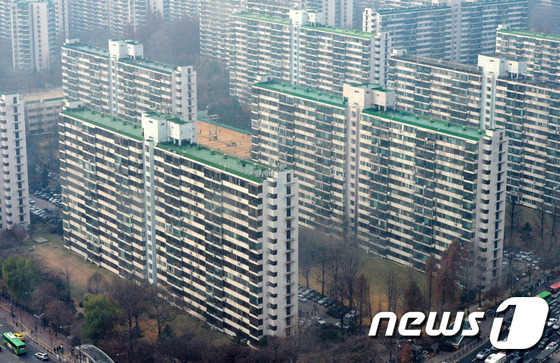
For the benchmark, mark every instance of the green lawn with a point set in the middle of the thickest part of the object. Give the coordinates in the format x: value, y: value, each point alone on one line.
x: 377, y: 271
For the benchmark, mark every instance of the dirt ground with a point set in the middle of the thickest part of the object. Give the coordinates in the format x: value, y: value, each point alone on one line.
x: 224, y: 139
x: 54, y: 255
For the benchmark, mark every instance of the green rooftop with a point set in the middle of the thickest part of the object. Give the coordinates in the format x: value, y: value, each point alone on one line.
x: 105, y: 121
x: 45, y: 100
x: 90, y: 49
x: 444, y: 127
x: 259, y: 17
x: 341, y: 31
x: 214, y: 158
x: 219, y: 160
x: 171, y: 117
x: 153, y: 66
x: 303, y: 93
x: 371, y: 86
x: 325, y: 29
x: 530, y: 34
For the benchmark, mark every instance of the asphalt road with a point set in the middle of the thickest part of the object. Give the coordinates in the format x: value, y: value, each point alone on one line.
x: 529, y: 354
x: 6, y: 355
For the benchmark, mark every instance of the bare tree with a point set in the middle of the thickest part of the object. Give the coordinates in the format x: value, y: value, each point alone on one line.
x: 334, y: 268
x: 96, y: 284
x: 430, y: 270
x: 307, y: 250
x: 362, y: 296
x: 514, y: 212
x: 541, y: 215
x: 66, y: 271
x: 391, y: 291
x: 132, y: 298
x: 322, y: 260
x: 351, y: 266
x: 163, y: 310
x: 555, y: 217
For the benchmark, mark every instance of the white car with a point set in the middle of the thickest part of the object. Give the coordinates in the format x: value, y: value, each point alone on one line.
x: 552, y: 345
x: 551, y: 321
x: 556, y: 326
x: 483, y: 354
x: 42, y: 356
x: 321, y: 321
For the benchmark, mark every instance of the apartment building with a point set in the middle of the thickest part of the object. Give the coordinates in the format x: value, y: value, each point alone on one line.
x: 88, y: 15
x: 218, y: 231
x: 529, y: 111
x: 408, y: 185
x: 180, y: 8
x: 14, y: 189
x: 496, y: 94
x: 338, y: 13
x: 41, y: 117
x: 303, y: 52
x: 118, y: 16
x: 215, y: 23
x: 33, y: 32
x: 539, y: 49
x: 459, y: 93
x: 121, y: 82
x: 450, y: 30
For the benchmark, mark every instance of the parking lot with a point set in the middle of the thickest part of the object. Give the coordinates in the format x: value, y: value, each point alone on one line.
x: 315, y: 308
x: 45, y: 205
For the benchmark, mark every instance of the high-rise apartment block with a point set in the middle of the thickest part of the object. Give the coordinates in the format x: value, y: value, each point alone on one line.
x: 338, y: 13
x: 456, y: 92
x: 121, y: 82
x: 88, y: 15
x: 407, y: 184
x: 32, y: 27
x: 301, y: 51
x: 14, y: 190
x: 219, y: 232
x: 455, y: 31
x: 540, y: 50
x: 215, y: 24
x: 497, y: 93
x: 117, y: 15
x: 180, y: 8
x: 41, y: 117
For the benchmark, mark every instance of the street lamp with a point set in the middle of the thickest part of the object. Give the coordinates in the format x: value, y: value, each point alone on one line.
x: 39, y: 317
